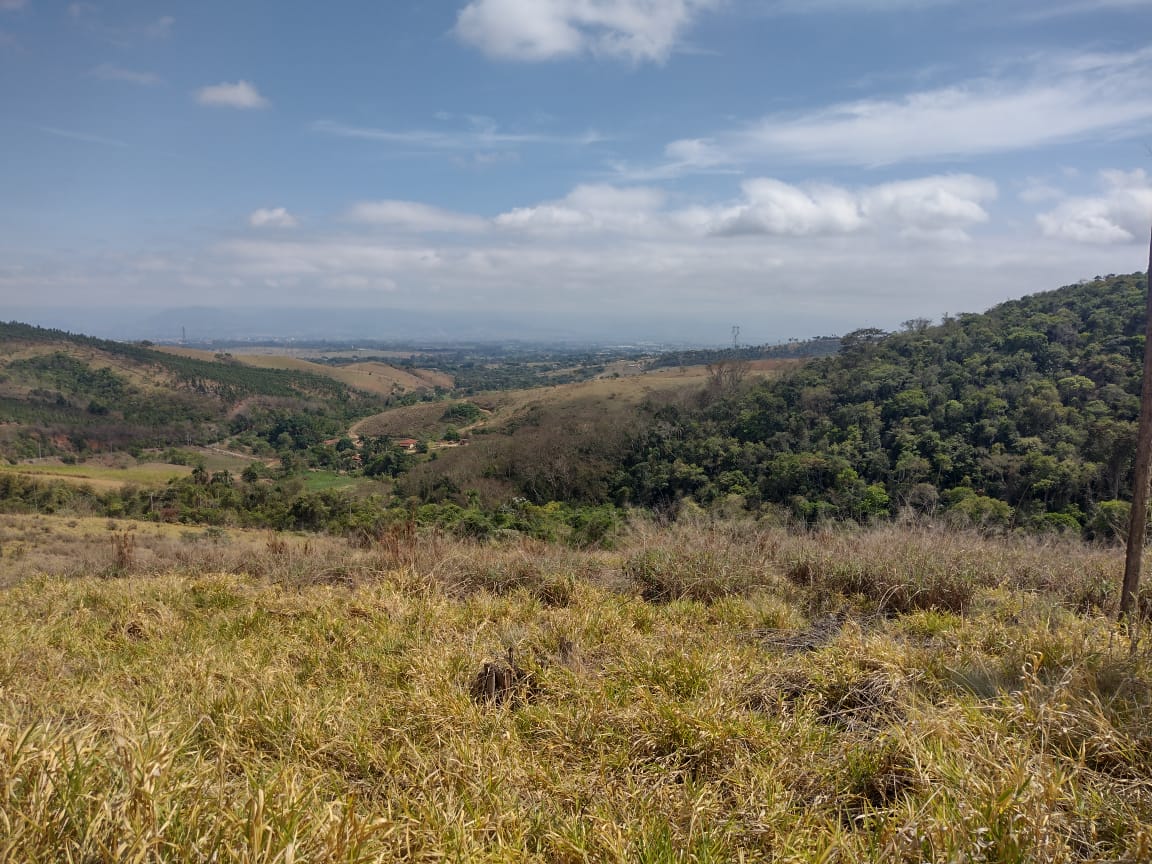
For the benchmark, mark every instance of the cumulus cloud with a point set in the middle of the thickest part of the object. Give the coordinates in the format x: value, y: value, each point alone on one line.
x: 942, y: 205
x: 240, y: 94
x: 594, y: 207
x: 414, y: 216
x: 272, y: 217
x: 774, y: 207
x: 636, y: 30
x: 1052, y: 101
x: 1119, y: 214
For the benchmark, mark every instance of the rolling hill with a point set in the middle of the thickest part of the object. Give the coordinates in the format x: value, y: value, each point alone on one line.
x: 380, y: 379
x: 60, y: 392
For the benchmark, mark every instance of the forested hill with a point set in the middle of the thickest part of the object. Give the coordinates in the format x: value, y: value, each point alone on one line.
x: 1021, y: 416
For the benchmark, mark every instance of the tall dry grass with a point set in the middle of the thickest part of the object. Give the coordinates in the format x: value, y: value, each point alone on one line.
x: 248, y: 697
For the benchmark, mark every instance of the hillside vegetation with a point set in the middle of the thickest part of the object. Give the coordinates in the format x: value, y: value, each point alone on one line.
x: 1023, y: 416
x: 63, y: 393
x: 560, y: 443
x: 381, y: 379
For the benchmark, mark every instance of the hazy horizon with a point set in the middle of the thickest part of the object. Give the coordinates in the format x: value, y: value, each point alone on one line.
x: 640, y: 169
x: 239, y: 324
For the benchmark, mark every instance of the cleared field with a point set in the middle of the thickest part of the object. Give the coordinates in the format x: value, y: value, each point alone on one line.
x: 215, y: 459
x: 699, y: 695
x: 102, y: 476
x: 320, y: 481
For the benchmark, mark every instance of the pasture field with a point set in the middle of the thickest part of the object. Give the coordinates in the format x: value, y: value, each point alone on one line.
x: 100, y: 475
x: 319, y: 481
x: 699, y: 693
x: 116, y: 471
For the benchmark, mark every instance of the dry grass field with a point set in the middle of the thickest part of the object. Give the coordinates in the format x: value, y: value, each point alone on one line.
x: 701, y: 693
x: 117, y: 470
x: 100, y: 475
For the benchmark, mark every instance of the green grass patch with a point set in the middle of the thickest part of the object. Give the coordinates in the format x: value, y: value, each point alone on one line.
x: 321, y: 481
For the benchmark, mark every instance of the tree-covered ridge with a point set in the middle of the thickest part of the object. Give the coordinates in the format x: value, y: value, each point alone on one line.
x: 1021, y: 415
x: 794, y: 349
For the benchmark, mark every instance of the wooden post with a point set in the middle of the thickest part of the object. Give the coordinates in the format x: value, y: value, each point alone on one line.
x: 1138, y: 523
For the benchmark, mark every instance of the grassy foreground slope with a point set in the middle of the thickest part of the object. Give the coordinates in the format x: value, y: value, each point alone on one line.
x: 702, y: 694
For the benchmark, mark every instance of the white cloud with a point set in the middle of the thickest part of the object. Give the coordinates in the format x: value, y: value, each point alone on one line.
x: 112, y: 72
x: 414, y: 216
x: 773, y: 207
x: 1069, y: 99
x: 12, y: 5
x: 478, y: 135
x: 1120, y: 214
x: 636, y: 30
x: 591, y: 208
x: 272, y: 217
x: 241, y: 94
x: 942, y: 203
x: 940, y: 206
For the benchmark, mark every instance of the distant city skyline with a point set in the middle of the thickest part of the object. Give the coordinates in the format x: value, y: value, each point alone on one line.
x: 596, y: 168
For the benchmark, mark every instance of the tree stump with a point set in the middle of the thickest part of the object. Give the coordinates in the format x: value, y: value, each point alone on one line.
x: 500, y: 681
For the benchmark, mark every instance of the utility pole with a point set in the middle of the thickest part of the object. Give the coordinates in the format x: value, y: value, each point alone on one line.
x: 1138, y: 524
x: 735, y: 337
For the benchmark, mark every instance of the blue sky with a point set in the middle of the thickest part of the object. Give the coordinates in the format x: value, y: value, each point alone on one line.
x: 792, y: 167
